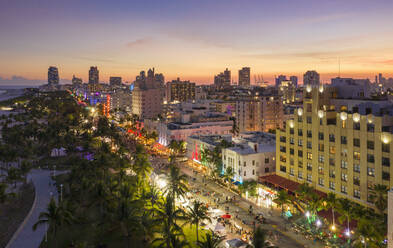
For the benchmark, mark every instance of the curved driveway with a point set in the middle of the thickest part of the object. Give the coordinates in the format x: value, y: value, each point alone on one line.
x: 25, y: 236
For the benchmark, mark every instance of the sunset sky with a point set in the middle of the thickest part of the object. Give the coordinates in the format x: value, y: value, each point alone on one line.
x: 195, y: 39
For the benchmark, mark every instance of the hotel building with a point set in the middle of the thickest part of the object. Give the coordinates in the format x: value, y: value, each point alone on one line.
x: 337, y: 145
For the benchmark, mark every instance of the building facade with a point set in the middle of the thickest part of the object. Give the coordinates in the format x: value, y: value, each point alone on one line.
x: 94, y: 79
x: 244, y: 77
x: 252, y: 156
x: 261, y: 114
x: 311, y: 78
x: 115, y: 81
x: 53, y: 76
x: 148, y: 95
x: 336, y: 149
x: 180, y: 91
x: 223, y: 79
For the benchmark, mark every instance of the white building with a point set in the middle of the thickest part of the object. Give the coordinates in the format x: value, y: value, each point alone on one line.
x: 210, y: 123
x: 252, y: 156
x: 195, y: 144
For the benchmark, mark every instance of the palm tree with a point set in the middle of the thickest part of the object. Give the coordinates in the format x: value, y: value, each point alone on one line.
x: 304, y: 192
x: 314, y: 205
x: 331, y: 202
x: 167, y: 215
x: 211, y: 241
x: 197, y: 213
x: 229, y: 173
x: 3, y: 193
x: 345, y: 208
x: 379, y: 197
x: 177, y: 183
x: 260, y: 239
x: 55, y: 216
x: 282, y: 199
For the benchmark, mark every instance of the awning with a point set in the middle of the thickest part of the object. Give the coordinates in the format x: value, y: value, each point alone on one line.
x: 226, y: 216
x: 285, y: 183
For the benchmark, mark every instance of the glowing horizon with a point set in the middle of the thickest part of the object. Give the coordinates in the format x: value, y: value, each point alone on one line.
x: 195, y: 40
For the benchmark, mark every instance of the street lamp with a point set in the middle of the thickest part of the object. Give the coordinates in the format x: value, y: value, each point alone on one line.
x: 307, y: 214
x: 318, y: 223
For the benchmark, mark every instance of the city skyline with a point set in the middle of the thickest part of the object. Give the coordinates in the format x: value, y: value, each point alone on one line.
x: 195, y: 40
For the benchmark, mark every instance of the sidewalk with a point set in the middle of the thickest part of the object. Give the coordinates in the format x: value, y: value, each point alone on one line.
x: 25, y: 236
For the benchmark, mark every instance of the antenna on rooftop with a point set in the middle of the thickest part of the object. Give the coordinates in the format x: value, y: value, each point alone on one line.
x: 339, y: 67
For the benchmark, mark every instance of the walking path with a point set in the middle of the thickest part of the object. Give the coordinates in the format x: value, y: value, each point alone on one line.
x: 25, y: 236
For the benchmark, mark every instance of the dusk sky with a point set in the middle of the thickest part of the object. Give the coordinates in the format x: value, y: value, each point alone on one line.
x: 194, y: 40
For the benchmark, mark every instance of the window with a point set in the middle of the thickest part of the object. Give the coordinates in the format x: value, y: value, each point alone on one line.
x: 300, y: 142
x: 370, y: 158
x: 291, y: 140
x: 356, y: 142
x: 266, y: 160
x: 320, y: 181
x: 300, y: 153
x: 344, y: 153
x: 344, y: 164
x: 370, y: 171
x: 356, y: 180
x: 332, y: 174
x: 320, y: 136
x: 309, y: 107
x: 309, y: 178
x: 283, y: 149
x: 356, y: 167
x: 253, y: 162
x: 320, y: 170
x: 343, y: 189
x: 300, y: 119
x: 266, y: 169
x: 370, y: 127
x: 309, y: 144
x: 300, y: 164
x: 331, y: 185
x: 283, y: 139
x: 244, y: 173
x: 321, y: 158
x: 300, y: 174
x: 291, y: 172
x: 309, y: 134
x: 253, y: 172
x: 291, y: 151
x: 332, y: 150
x: 283, y: 158
x: 291, y: 162
x: 291, y: 131
x: 385, y: 175
x: 309, y: 155
x: 370, y: 185
x: 320, y: 147
x: 356, y: 155
x: 385, y: 147
x: 344, y: 177
x: 244, y: 163
x: 332, y: 138
x: 370, y: 144
x: 356, y: 193
x: 385, y: 161
x: 332, y: 162
x: 356, y: 126
x: 343, y: 140
x: 309, y: 166
x: 300, y: 132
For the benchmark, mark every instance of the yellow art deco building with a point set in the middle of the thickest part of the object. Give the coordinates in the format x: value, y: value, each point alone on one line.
x: 336, y: 148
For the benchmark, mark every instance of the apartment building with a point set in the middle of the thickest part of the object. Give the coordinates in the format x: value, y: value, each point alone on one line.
x: 337, y: 146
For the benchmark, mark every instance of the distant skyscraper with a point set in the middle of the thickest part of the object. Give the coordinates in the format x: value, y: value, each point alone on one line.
x: 115, y: 81
x: 93, y: 79
x: 53, y: 75
x: 76, y: 81
x: 311, y: 78
x: 93, y: 75
x: 223, y: 79
x: 244, y: 76
x: 294, y: 80
x: 279, y: 79
x: 181, y: 91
